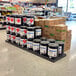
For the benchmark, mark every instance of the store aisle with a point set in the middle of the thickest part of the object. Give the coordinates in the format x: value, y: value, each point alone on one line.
x: 16, y: 62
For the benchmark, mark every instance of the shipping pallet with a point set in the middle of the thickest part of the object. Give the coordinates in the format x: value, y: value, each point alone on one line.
x: 33, y: 52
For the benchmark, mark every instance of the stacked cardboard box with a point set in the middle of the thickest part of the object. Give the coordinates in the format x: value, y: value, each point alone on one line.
x: 55, y: 29
x: 68, y: 40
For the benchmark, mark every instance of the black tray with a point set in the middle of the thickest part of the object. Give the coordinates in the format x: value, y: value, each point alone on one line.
x: 45, y: 57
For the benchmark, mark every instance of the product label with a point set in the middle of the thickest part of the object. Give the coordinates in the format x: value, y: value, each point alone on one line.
x: 52, y: 52
x: 60, y: 50
x: 12, y: 29
x: 13, y: 38
x: 38, y: 32
x: 23, y: 41
x: 36, y: 46
x: 30, y: 21
x: 11, y: 20
x: 7, y: 19
x: 30, y: 34
x: 43, y: 49
x: 29, y: 44
x: 17, y: 40
x: 17, y: 30
x: 23, y: 32
x: 18, y: 21
x: 24, y: 19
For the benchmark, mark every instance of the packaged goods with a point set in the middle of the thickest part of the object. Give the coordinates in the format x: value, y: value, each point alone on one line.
x: 38, y: 32
x: 23, y: 42
x: 61, y: 47
x: 30, y: 44
x: 53, y: 50
x: 51, y: 40
x: 36, y: 45
x: 23, y: 31
x: 30, y: 32
x: 44, y: 47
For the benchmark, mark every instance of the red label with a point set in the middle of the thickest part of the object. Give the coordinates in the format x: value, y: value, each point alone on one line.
x: 31, y: 20
x: 18, y: 20
x: 25, y: 31
x: 14, y: 37
x: 9, y: 27
x: 12, y: 19
x: 12, y: 28
x: 24, y: 41
x: 24, y: 19
x: 17, y: 29
x: 8, y: 18
x: 9, y: 36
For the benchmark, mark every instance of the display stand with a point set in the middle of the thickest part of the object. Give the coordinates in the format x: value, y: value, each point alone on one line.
x: 36, y: 53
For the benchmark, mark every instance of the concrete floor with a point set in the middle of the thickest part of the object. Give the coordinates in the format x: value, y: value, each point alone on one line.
x: 16, y: 62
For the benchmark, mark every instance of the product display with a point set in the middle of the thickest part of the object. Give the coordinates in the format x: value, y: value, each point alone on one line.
x: 25, y: 34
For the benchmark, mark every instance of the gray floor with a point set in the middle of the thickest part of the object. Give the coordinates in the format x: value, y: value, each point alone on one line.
x: 16, y: 62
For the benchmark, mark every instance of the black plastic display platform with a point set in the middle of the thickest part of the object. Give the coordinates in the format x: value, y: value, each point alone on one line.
x: 33, y: 52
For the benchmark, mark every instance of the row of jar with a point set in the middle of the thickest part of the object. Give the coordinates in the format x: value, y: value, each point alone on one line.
x: 23, y: 31
x: 20, y: 20
x: 47, y: 47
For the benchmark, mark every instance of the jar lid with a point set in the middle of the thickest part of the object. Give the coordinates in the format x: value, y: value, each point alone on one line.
x: 60, y: 42
x: 44, y: 42
x: 43, y: 38
x: 37, y: 27
x: 50, y: 40
x: 37, y: 40
x: 23, y: 27
x: 29, y: 28
x: 53, y: 45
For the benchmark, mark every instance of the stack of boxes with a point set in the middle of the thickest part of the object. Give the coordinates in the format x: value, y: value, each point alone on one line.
x: 55, y: 29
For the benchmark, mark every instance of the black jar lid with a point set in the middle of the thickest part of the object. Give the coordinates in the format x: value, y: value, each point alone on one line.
x: 37, y: 27
x: 51, y: 40
x: 23, y: 27
x: 53, y: 45
x: 30, y: 28
x: 60, y: 42
x: 44, y: 42
x: 37, y: 40
x: 43, y: 38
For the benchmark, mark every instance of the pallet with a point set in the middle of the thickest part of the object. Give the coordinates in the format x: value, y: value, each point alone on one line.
x: 36, y: 53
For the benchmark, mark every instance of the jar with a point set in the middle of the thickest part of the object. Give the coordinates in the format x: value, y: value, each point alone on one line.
x: 8, y: 37
x: 12, y: 29
x: 18, y: 20
x: 23, y: 31
x: 53, y: 50
x: 30, y: 21
x: 51, y: 40
x: 13, y: 37
x: 17, y: 39
x: 17, y: 30
x: 36, y: 45
x: 44, y: 47
x: 30, y: 32
x: 23, y: 42
x: 38, y: 32
x: 30, y: 44
x: 12, y: 19
x: 61, y: 47
x: 8, y: 19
